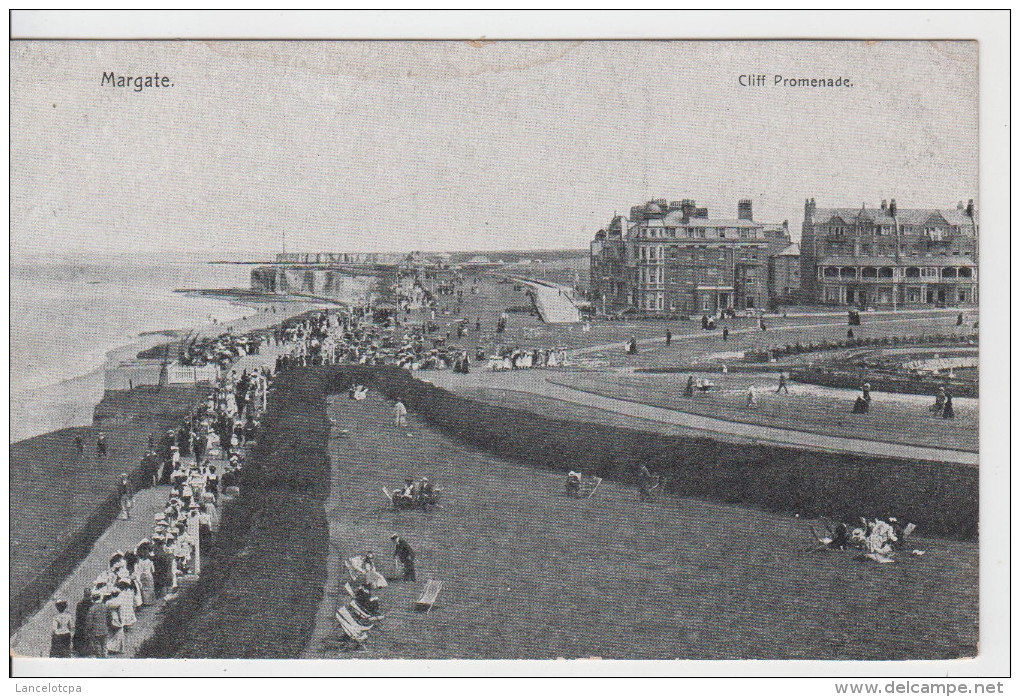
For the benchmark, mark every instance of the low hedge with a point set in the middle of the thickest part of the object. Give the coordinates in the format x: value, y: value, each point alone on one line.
x: 884, y: 382
x: 858, y: 342
x: 260, y: 590
x: 941, y: 498
x: 261, y: 586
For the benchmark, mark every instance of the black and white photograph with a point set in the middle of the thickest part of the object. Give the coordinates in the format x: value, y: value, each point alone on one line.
x: 581, y: 351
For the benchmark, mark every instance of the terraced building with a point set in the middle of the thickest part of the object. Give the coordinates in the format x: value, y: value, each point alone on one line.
x: 890, y: 256
x: 672, y: 257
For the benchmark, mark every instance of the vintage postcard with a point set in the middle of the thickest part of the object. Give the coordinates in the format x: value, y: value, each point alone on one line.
x: 653, y: 349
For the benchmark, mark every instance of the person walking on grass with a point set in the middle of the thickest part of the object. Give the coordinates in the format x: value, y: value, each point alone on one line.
x: 101, y: 447
x: 403, y: 553
x: 669, y: 337
x: 752, y: 398
x: 399, y: 414
x: 947, y: 410
x: 782, y: 384
x: 79, y: 444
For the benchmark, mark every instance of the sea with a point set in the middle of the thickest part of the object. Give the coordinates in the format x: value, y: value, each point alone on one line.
x: 70, y: 316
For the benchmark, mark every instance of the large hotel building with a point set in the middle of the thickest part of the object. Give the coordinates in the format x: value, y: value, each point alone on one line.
x: 890, y: 256
x: 672, y: 257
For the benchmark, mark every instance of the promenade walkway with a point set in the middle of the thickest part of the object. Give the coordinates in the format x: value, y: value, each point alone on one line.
x: 534, y: 382
x: 33, y: 639
x: 555, y: 303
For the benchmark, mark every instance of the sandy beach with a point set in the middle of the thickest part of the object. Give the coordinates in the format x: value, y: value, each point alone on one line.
x: 69, y: 403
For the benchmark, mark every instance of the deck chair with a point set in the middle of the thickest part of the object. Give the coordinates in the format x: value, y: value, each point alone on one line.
x: 428, y: 596
x: 591, y: 485
x: 361, y: 614
x: 351, y: 627
x: 359, y: 574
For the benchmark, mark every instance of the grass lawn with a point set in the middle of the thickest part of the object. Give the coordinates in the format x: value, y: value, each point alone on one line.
x: 56, y: 490
x: 806, y: 330
x: 530, y: 573
x: 893, y: 418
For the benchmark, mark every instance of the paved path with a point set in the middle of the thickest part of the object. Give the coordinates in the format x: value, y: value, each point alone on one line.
x: 535, y: 382
x: 33, y: 639
x: 554, y: 302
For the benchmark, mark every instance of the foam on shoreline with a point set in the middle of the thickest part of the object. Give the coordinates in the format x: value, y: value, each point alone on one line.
x: 69, y: 402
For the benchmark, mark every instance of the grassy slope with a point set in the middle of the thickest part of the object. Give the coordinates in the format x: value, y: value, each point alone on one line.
x: 530, y: 573
x: 55, y: 490
x: 780, y: 333
x: 802, y: 410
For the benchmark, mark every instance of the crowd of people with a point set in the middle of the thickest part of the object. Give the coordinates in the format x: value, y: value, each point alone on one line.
x: 222, y: 350
x: 875, y: 539
x: 359, y: 336
x: 201, y: 461
x: 415, y: 493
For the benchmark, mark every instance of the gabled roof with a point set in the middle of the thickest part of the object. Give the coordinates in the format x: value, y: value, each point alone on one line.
x: 792, y: 251
x: 876, y: 215
x: 905, y: 216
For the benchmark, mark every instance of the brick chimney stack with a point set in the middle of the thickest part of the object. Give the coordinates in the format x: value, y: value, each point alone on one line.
x: 809, y: 209
x: 970, y: 208
x: 744, y: 211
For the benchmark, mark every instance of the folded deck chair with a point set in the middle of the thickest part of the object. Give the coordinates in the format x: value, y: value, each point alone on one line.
x: 352, y: 628
x: 428, y: 596
x: 594, y: 484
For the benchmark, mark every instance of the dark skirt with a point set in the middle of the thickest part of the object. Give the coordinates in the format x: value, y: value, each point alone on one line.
x: 204, y: 539
x: 60, y: 646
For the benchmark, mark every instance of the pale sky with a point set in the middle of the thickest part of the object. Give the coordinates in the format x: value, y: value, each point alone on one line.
x: 379, y: 146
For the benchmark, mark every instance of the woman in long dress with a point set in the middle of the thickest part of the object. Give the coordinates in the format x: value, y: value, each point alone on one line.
x: 947, y: 410
x: 115, y: 637
x: 126, y: 594
x: 144, y: 574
